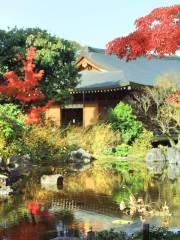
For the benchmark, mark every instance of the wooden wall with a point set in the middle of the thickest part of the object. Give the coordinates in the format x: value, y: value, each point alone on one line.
x: 90, y: 113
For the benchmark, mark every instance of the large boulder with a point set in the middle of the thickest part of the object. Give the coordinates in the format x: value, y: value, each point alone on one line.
x: 3, y: 180
x: 173, y: 155
x: 20, y: 160
x: 171, y: 172
x: 81, y: 157
x: 4, y: 189
x: 155, y: 154
x: 21, y: 163
x: 155, y: 160
x: 155, y: 167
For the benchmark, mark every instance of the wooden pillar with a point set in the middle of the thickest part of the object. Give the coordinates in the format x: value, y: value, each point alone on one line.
x: 54, y: 114
x: 90, y: 113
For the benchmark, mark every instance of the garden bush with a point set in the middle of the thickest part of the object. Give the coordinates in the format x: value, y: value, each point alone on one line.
x: 12, y: 127
x: 95, y: 139
x: 123, y: 120
x: 111, y: 235
x: 121, y: 150
x: 142, y: 144
x: 44, y: 144
x: 156, y: 233
x: 12, y: 123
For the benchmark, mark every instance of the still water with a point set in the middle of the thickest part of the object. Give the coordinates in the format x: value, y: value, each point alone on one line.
x: 91, y: 199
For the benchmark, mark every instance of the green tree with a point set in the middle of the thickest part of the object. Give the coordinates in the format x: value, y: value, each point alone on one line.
x: 54, y: 55
x: 123, y: 119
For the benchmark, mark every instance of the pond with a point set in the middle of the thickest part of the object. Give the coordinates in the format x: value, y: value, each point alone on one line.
x: 98, y: 198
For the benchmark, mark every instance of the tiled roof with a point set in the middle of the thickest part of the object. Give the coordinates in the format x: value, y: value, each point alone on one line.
x: 119, y: 72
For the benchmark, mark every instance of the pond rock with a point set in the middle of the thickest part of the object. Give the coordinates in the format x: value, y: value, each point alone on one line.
x: 155, y: 154
x: 155, y: 160
x: 81, y: 156
x: 52, y: 182
x: 21, y: 163
x: 5, y: 191
x: 3, y: 179
x: 155, y: 167
x: 171, y: 172
x: 173, y: 155
x: 13, y: 176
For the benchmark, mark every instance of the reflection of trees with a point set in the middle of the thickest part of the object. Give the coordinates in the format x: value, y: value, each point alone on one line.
x: 161, y: 191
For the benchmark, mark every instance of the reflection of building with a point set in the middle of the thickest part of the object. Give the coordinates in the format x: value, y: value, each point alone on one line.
x: 105, y: 80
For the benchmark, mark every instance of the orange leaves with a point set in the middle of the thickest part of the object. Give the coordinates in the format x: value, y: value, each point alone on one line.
x: 26, y: 90
x: 158, y: 33
x: 174, y: 98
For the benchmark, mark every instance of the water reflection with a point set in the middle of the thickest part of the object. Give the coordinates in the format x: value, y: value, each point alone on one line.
x: 91, y: 199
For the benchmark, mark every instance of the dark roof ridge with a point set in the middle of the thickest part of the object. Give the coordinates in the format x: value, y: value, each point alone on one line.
x: 101, y: 50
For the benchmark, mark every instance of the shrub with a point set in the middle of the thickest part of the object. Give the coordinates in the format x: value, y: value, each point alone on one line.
x: 123, y: 120
x: 12, y: 127
x: 94, y: 139
x: 11, y: 121
x: 44, y: 144
x: 142, y: 144
x: 156, y: 233
x: 122, y: 150
x: 160, y: 233
x: 111, y: 235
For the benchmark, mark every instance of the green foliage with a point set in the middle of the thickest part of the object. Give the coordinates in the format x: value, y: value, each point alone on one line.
x: 156, y: 233
x: 121, y: 150
x: 12, y: 126
x: 54, y: 55
x: 142, y: 144
x: 11, y: 122
x: 123, y: 120
x: 160, y: 233
x: 111, y: 235
x: 132, y: 180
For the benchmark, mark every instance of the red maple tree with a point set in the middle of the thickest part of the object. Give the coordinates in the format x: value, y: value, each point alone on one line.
x: 157, y: 33
x: 26, y: 91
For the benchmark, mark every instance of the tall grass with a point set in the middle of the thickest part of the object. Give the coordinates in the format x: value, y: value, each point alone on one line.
x: 95, y: 139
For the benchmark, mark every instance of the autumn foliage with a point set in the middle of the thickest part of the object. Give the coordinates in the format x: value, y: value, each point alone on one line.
x: 174, y: 98
x: 157, y: 33
x: 26, y: 91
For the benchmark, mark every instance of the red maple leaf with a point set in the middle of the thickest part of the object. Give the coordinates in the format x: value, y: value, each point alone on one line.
x: 26, y: 91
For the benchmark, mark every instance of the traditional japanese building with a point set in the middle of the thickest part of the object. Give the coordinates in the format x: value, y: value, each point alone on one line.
x: 106, y: 80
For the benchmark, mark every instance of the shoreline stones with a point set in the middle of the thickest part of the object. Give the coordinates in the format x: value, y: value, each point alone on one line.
x: 21, y: 163
x: 80, y: 160
x: 5, y: 189
x: 158, y: 159
x: 81, y: 156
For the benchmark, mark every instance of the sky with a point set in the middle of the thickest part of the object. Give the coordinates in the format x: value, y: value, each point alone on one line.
x: 91, y: 23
